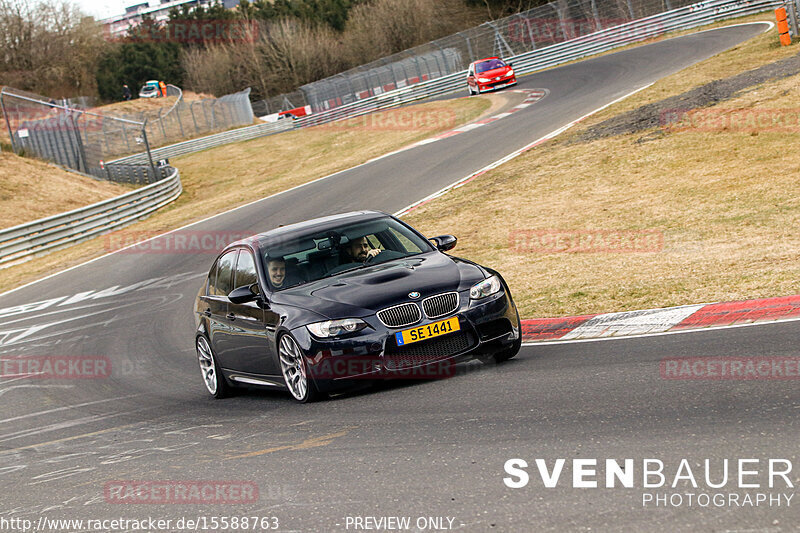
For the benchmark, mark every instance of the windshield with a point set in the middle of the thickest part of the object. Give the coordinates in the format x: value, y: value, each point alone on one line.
x: 491, y: 64
x: 321, y: 254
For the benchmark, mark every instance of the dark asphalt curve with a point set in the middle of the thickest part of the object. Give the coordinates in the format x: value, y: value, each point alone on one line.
x: 427, y: 449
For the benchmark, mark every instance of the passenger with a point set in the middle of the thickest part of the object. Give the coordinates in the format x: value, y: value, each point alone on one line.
x: 280, y: 276
x: 276, y: 270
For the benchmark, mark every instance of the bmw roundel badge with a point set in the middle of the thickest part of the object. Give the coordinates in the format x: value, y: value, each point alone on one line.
x: 413, y: 295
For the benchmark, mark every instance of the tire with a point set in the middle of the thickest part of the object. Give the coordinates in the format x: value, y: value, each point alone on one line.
x: 295, y: 371
x: 212, y: 377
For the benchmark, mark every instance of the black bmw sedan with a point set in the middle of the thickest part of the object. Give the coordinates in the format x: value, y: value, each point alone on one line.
x: 313, y: 307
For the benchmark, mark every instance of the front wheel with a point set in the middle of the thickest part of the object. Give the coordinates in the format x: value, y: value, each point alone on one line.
x: 295, y: 371
x: 212, y: 377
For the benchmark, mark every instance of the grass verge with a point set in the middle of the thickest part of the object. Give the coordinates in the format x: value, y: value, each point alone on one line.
x: 721, y: 192
x: 219, y: 179
x: 31, y: 189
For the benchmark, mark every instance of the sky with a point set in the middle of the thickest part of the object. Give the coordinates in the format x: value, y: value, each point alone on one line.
x: 104, y: 9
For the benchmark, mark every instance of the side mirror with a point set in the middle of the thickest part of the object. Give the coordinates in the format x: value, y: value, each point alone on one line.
x: 444, y: 243
x: 242, y: 295
x: 510, y: 65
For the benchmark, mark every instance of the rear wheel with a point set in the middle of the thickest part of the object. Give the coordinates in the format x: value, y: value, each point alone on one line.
x: 212, y: 377
x: 295, y: 371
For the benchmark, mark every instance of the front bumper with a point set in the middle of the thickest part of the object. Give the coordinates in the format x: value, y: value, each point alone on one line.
x: 486, y: 326
x: 497, y: 84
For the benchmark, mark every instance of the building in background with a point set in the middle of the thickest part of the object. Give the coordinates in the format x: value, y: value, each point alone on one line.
x: 118, y: 26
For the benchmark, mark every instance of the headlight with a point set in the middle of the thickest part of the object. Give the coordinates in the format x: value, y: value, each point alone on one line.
x: 485, y: 288
x: 332, y: 328
x: 511, y: 72
x: 483, y: 80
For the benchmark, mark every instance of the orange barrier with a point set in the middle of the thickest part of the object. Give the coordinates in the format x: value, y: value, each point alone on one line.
x: 783, y: 26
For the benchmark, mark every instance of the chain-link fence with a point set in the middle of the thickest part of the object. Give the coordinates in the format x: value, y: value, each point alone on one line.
x: 534, y: 29
x: 189, y: 119
x: 85, y: 140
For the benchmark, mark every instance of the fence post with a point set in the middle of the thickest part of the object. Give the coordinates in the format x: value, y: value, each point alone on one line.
x: 469, y: 47
x: 8, y: 123
x: 793, y: 18
x: 147, y: 146
x: 161, y: 121
x: 81, y: 149
x: 194, y: 120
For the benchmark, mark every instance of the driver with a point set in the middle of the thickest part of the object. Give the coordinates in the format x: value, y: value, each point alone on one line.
x: 360, y: 251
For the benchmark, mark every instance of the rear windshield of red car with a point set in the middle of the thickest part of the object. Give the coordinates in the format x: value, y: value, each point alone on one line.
x: 489, y: 65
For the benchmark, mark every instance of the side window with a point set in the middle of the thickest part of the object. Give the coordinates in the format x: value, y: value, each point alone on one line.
x: 245, y: 270
x: 223, y: 282
x: 375, y: 242
x: 409, y: 246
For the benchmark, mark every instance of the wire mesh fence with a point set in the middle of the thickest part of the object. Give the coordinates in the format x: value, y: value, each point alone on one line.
x: 534, y: 29
x: 84, y: 140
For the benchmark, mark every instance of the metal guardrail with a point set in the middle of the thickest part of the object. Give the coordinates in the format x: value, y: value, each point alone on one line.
x: 59, y: 231
x: 555, y: 54
x: 210, y: 141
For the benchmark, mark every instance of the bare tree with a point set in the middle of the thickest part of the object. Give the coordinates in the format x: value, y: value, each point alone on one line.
x: 50, y: 48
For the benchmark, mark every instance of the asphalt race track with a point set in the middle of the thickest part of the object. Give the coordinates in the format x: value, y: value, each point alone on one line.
x: 415, y: 449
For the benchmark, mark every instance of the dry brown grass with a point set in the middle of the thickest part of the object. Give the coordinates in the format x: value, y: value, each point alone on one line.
x: 31, y: 189
x: 293, y: 158
x: 726, y: 202
x: 146, y: 105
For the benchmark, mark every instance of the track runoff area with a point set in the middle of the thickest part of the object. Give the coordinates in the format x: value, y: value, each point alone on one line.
x: 568, y: 436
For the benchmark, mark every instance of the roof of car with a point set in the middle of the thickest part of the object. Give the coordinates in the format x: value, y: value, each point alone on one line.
x: 485, y: 59
x: 317, y: 224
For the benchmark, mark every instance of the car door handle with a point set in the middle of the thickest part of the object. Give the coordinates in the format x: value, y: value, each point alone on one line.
x: 230, y: 316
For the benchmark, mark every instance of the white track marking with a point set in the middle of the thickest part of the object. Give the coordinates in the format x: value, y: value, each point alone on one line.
x: 3, y: 391
x: 632, y: 322
x: 671, y: 332
x: 57, y: 409
x: 59, y: 425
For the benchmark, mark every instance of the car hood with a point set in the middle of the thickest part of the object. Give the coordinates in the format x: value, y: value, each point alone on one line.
x: 365, y: 291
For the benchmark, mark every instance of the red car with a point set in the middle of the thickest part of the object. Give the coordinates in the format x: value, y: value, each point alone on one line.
x: 489, y: 74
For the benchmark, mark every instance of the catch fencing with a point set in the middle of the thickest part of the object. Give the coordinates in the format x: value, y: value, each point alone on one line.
x: 580, y: 46
x: 554, y: 54
x: 530, y: 31
x: 87, y: 140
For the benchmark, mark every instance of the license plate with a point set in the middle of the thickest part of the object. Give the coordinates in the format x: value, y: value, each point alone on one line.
x: 443, y: 327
